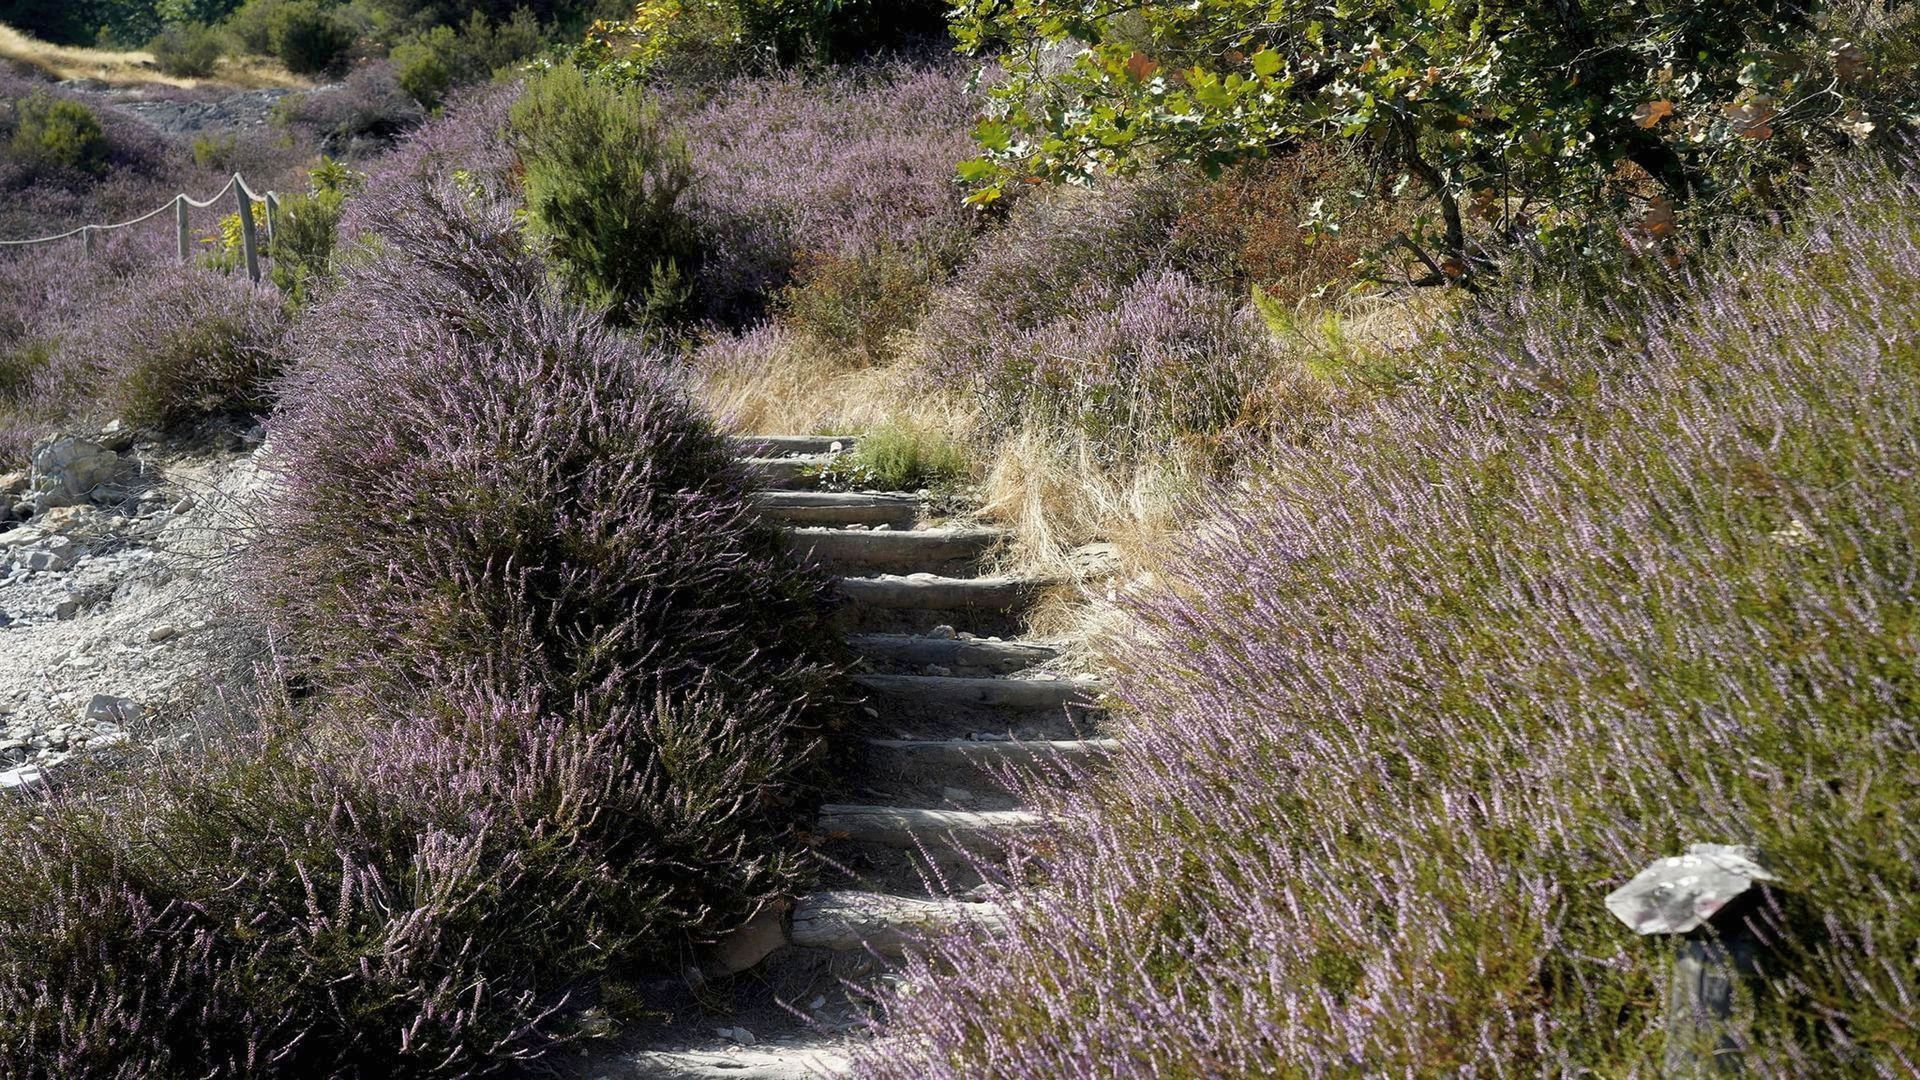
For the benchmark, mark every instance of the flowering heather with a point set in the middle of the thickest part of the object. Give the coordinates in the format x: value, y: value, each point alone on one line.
x: 469, y: 135
x: 45, y: 299
x: 792, y: 168
x: 565, y: 691
x: 365, y: 112
x: 168, y: 346
x: 1613, y: 579
x: 535, y: 503
x: 1079, y: 315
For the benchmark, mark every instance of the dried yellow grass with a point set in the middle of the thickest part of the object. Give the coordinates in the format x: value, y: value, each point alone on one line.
x: 796, y: 390
x: 135, y: 68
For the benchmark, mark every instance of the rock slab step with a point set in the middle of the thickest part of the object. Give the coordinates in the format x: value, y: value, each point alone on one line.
x: 956, y: 653
x: 911, y: 827
x: 923, y: 693
x: 849, y: 920
x: 840, y: 507
x: 788, y: 473
x: 894, y: 550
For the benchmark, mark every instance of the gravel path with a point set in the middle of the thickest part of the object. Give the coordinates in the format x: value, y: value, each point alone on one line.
x: 112, y: 630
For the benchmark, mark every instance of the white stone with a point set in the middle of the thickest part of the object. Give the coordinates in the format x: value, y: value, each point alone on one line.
x: 24, y: 778
x: 66, y: 471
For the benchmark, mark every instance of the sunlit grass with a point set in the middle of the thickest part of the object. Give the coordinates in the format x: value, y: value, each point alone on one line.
x: 136, y: 67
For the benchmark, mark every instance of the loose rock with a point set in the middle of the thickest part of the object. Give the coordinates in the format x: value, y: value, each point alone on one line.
x: 66, y: 471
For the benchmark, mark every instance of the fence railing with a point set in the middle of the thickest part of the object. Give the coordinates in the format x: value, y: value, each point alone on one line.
x: 244, y: 198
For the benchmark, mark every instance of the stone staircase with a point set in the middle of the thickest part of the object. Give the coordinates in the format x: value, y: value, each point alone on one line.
x: 952, y: 694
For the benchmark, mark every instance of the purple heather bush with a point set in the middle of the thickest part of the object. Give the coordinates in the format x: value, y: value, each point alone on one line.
x: 792, y: 169
x: 166, y: 347
x: 1081, y: 314
x: 562, y: 686
x: 1612, y: 578
x: 128, y: 334
x: 468, y: 136
x: 361, y: 115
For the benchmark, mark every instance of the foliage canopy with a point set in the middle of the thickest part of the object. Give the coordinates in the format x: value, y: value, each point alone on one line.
x: 1523, y: 114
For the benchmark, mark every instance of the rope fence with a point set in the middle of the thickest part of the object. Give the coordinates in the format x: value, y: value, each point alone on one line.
x: 243, y: 197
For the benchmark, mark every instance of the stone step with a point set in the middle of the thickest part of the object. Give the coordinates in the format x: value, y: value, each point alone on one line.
x: 913, y: 827
x: 739, y: 1063
x: 938, y: 695
x: 961, y: 656
x: 894, y: 508
x: 968, y: 603
x: 955, y: 755
x: 971, y: 773
x: 848, y: 920
x: 787, y: 473
x: 895, y: 551
x: 773, y: 446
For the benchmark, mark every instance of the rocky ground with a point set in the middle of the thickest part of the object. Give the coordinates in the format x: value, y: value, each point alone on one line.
x: 112, y: 633
x: 186, y: 112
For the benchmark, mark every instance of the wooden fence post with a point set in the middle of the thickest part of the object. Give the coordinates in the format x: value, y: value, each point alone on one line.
x: 86, y: 239
x: 273, y: 221
x: 1703, y: 899
x: 182, y: 242
x: 247, y: 240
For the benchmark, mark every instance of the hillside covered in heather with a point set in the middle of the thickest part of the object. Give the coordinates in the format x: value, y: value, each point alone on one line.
x: 1002, y: 538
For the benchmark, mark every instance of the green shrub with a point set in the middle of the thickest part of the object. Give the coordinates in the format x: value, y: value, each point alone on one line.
x: 205, y: 12
x: 1550, y: 121
x: 605, y: 180
x: 308, y: 38
x: 900, y: 457
x: 429, y: 63
x: 423, y: 66
x: 58, y: 133
x: 305, y: 231
x: 187, y: 49
x: 214, y: 152
x: 251, y: 25
x: 858, y: 304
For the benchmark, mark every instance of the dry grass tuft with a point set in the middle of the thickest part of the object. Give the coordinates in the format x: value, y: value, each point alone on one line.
x: 769, y: 381
x: 135, y: 68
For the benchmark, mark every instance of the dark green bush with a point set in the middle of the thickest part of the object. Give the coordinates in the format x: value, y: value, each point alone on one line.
x: 702, y: 38
x: 431, y: 62
x: 187, y: 49
x: 308, y: 38
x: 605, y: 179
x: 251, y: 24
x: 58, y: 133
